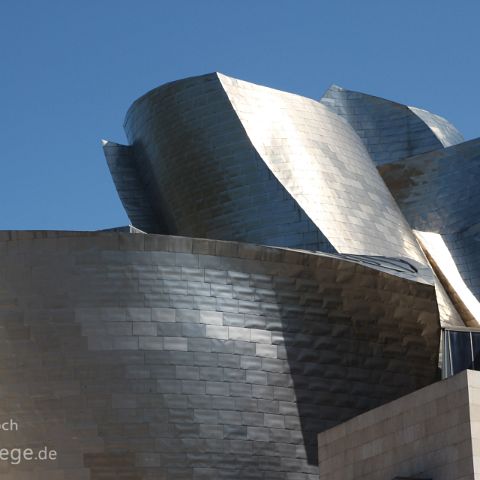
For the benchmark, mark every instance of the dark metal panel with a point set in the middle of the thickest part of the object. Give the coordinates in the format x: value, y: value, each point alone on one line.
x: 123, y: 168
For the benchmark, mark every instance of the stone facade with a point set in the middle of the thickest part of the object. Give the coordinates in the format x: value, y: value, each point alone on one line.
x: 432, y: 433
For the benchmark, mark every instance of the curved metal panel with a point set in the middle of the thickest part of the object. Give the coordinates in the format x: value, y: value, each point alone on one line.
x: 438, y: 192
x: 148, y: 356
x: 390, y: 130
x: 323, y: 164
x: 123, y: 168
x: 442, y: 128
x: 204, y: 174
x: 446, y: 269
x: 232, y: 160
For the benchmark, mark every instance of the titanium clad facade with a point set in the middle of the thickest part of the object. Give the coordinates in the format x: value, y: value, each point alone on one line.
x: 324, y: 165
x: 156, y: 357
x: 227, y: 159
x: 438, y: 193
x: 391, y: 131
x: 441, y: 127
x: 432, y: 174
x: 203, y: 174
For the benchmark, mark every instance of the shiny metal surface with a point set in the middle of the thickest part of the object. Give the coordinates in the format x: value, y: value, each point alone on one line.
x: 438, y: 193
x: 446, y: 132
x: 157, y: 357
x: 122, y: 165
x: 446, y: 269
x: 227, y: 159
x: 202, y: 172
x: 324, y: 165
x: 390, y: 130
x: 431, y: 172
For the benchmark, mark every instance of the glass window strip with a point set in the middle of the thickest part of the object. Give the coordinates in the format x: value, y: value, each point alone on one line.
x: 450, y: 353
x: 471, y: 350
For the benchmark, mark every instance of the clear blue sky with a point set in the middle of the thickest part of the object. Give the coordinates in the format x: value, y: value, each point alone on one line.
x: 70, y: 69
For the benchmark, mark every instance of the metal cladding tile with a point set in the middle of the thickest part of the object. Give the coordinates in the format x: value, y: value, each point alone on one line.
x: 205, y: 359
x: 169, y: 386
x: 204, y: 303
x: 230, y: 417
x: 193, y: 330
x: 244, y: 348
x: 256, y: 377
x: 250, y: 362
x: 219, y: 332
x: 199, y: 345
x: 234, y: 374
x: 199, y: 401
x: 234, y: 319
x: 235, y: 431
x: 150, y: 343
x: 222, y: 346
x: 255, y: 321
x: 212, y: 374
x: 187, y: 372
x: 223, y: 402
x: 262, y: 391
x: 169, y: 329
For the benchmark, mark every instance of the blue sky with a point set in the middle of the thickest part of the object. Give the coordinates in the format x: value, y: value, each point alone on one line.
x: 70, y: 69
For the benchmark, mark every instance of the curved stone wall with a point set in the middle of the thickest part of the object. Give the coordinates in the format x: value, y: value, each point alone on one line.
x: 153, y: 357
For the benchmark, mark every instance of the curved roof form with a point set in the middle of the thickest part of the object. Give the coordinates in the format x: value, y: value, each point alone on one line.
x: 203, y: 174
x: 227, y: 159
x: 323, y: 164
x: 446, y: 132
x: 390, y: 130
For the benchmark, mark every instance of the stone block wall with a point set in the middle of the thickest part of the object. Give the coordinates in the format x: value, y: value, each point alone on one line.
x: 431, y: 433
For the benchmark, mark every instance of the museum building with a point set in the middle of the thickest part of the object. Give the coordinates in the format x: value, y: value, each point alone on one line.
x: 296, y: 298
